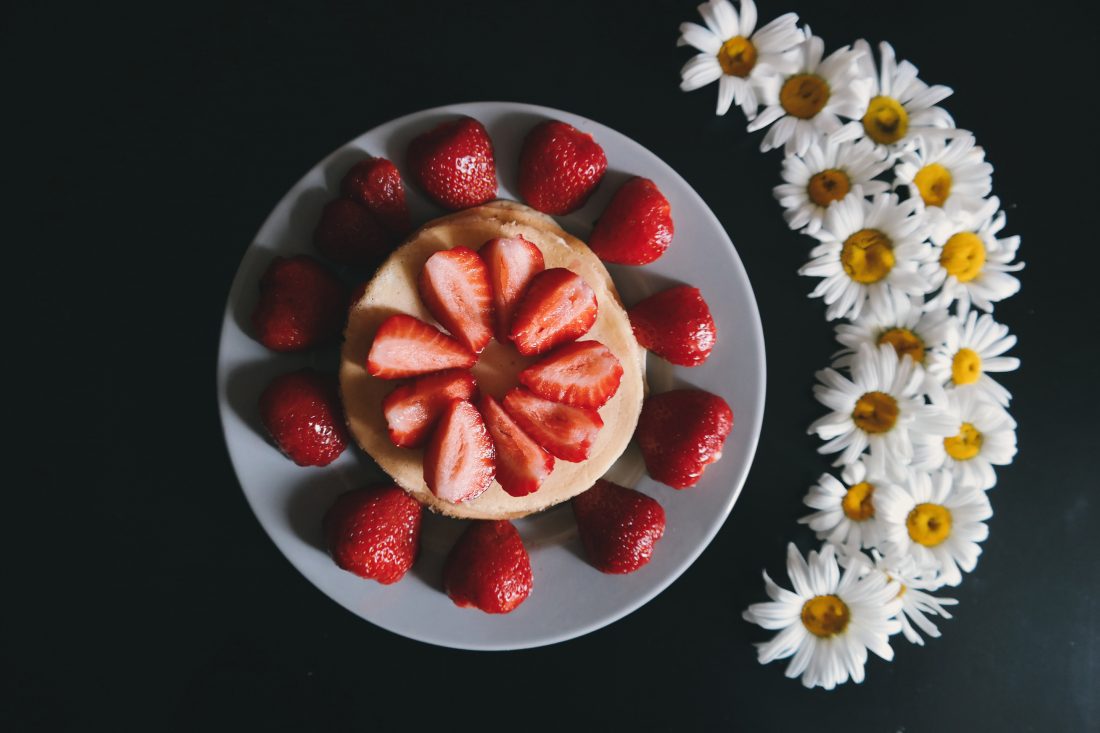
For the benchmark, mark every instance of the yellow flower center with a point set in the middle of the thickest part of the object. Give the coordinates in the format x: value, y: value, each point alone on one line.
x: 875, y: 412
x: 737, y: 56
x: 904, y: 342
x: 825, y: 616
x: 804, y: 95
x: 857, y: 504
x: 901, y: 592
x: 828, y: 186
x: 933, y: 181
x: 867, y: 256
x: 965, y: 445
x: 963, y: 256
x: 929, y: 524
x: 886, y: 121
x: 966, y: 367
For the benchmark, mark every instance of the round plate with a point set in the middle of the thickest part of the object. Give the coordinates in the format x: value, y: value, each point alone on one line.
x: 570, y: 597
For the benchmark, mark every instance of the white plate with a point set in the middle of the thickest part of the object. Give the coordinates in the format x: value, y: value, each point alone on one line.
x: 570, y: 598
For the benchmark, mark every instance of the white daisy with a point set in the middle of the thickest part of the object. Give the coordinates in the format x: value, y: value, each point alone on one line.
x: 809, y: 97
x: 969, y: 263
x: 830, y: 620
x: 945, y: 176
x: 983, y: 435
x: 911, y: 330
x: 935, y: 521
x: 845, y: 513
x: 828, y: 172
x: 732, y: 54
x: 971, y: 349
x: 869, y: 254
x: 882, y: 406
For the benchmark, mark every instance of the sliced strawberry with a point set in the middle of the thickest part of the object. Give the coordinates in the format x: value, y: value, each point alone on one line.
x: 454, y: 164
x: 460, y: 460
x: 618, y: 526
x: 412, y: 409
x: 407, y: 347
x: 522, y: 464
x: 675, y: 324
x: 566, y: 431
x: 583, y: 374
x: 636, y: 227
x: 512, y: 262
x: 681, y: 433
x: 559, y: 167
x: 488, y: 568
x: 350, y: 234
x: 376, y: 184
x: 557, y: 307
x: 454, y: 286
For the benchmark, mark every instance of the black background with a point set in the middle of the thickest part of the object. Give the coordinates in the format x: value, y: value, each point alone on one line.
x: 146, y: 145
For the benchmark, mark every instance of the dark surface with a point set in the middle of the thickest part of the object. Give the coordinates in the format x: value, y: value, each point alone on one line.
x: 146, y: 147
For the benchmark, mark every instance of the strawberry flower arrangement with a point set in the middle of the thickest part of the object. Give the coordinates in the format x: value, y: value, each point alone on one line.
x: 911, y: 262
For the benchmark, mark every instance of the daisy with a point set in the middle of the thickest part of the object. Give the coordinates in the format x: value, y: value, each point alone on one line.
x: 917, y: 604
x: 970, y: 264
x: 911, y: 330
x: 808, y: 97
x: 882, y: 406
x: 829, y: 621
x: 869, y: 254
x: 935, y: 521
x: 946, y: 177
x: 732, y: 54
x: 828, y: 172
x: 971, y: 350
x: 983, y: 435
x: 845, y: 513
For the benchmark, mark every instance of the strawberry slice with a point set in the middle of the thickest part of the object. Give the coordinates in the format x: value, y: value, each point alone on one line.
x: 558, y: 306
x: 460, y: 460
x: 512, y: 262
x: 412, y: 409
x: 407, y: 347
x: 454, y: 286
x: 522, y: 464
x: 566, y: 431
x: 583, y: 374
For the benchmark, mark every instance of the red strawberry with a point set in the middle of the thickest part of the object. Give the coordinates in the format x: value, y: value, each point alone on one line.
x: 559, y: 168
x: 349, y: 234
x: 618, y: 526
x: 412, y: 409
x: 460, y: 460
x: 583, y: 373
x: 407, y: 347
x: 376, y: 184
x: 675, y: 324
x: 453, y: 163
x: 374, y: 533
x: 681, y: 432
x: 302, y: 412
x: 511, y: 263
x: 454, y: 286
x: 566, y: 431
x: 557, y: 307
x: 636, y: 227
x: 488, y: 568
x: 522, y: 464
x: 302, y: 304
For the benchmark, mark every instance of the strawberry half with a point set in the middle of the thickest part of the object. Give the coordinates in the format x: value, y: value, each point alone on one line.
x: 349, y: 234
x: 682, y: 432
x: 566, y: 431
x: 302, y: 305
x: 522, y: 464
x: 376, y: 184
x: 618, y: 526
x: 511, y: 263
x: 454, y: 286
x: 454, y: 164
x: 460, y: 460
x: 302, y: 412
x: 676, y: 325
x: 636, y: 227
x: 557, y: 307
x: 374, y: 533
x: 407, y: 347
x: 412, y: 409
x: 559, y: 168
x: 488, y: 568
x: 583, y: 373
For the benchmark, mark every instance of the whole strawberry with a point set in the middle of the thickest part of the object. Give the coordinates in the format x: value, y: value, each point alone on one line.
x: 676, y: 325
x: 350, y: 234
x: 559, y: 167
x: 374, y: 533
x: 488, y: 568
x: 302, y: 305
x: 302, y: 412
x: 682, y: 432
x: 454, y: 164
x: 636, y: 227
x: 618, y: 526
x: 376, y: 184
